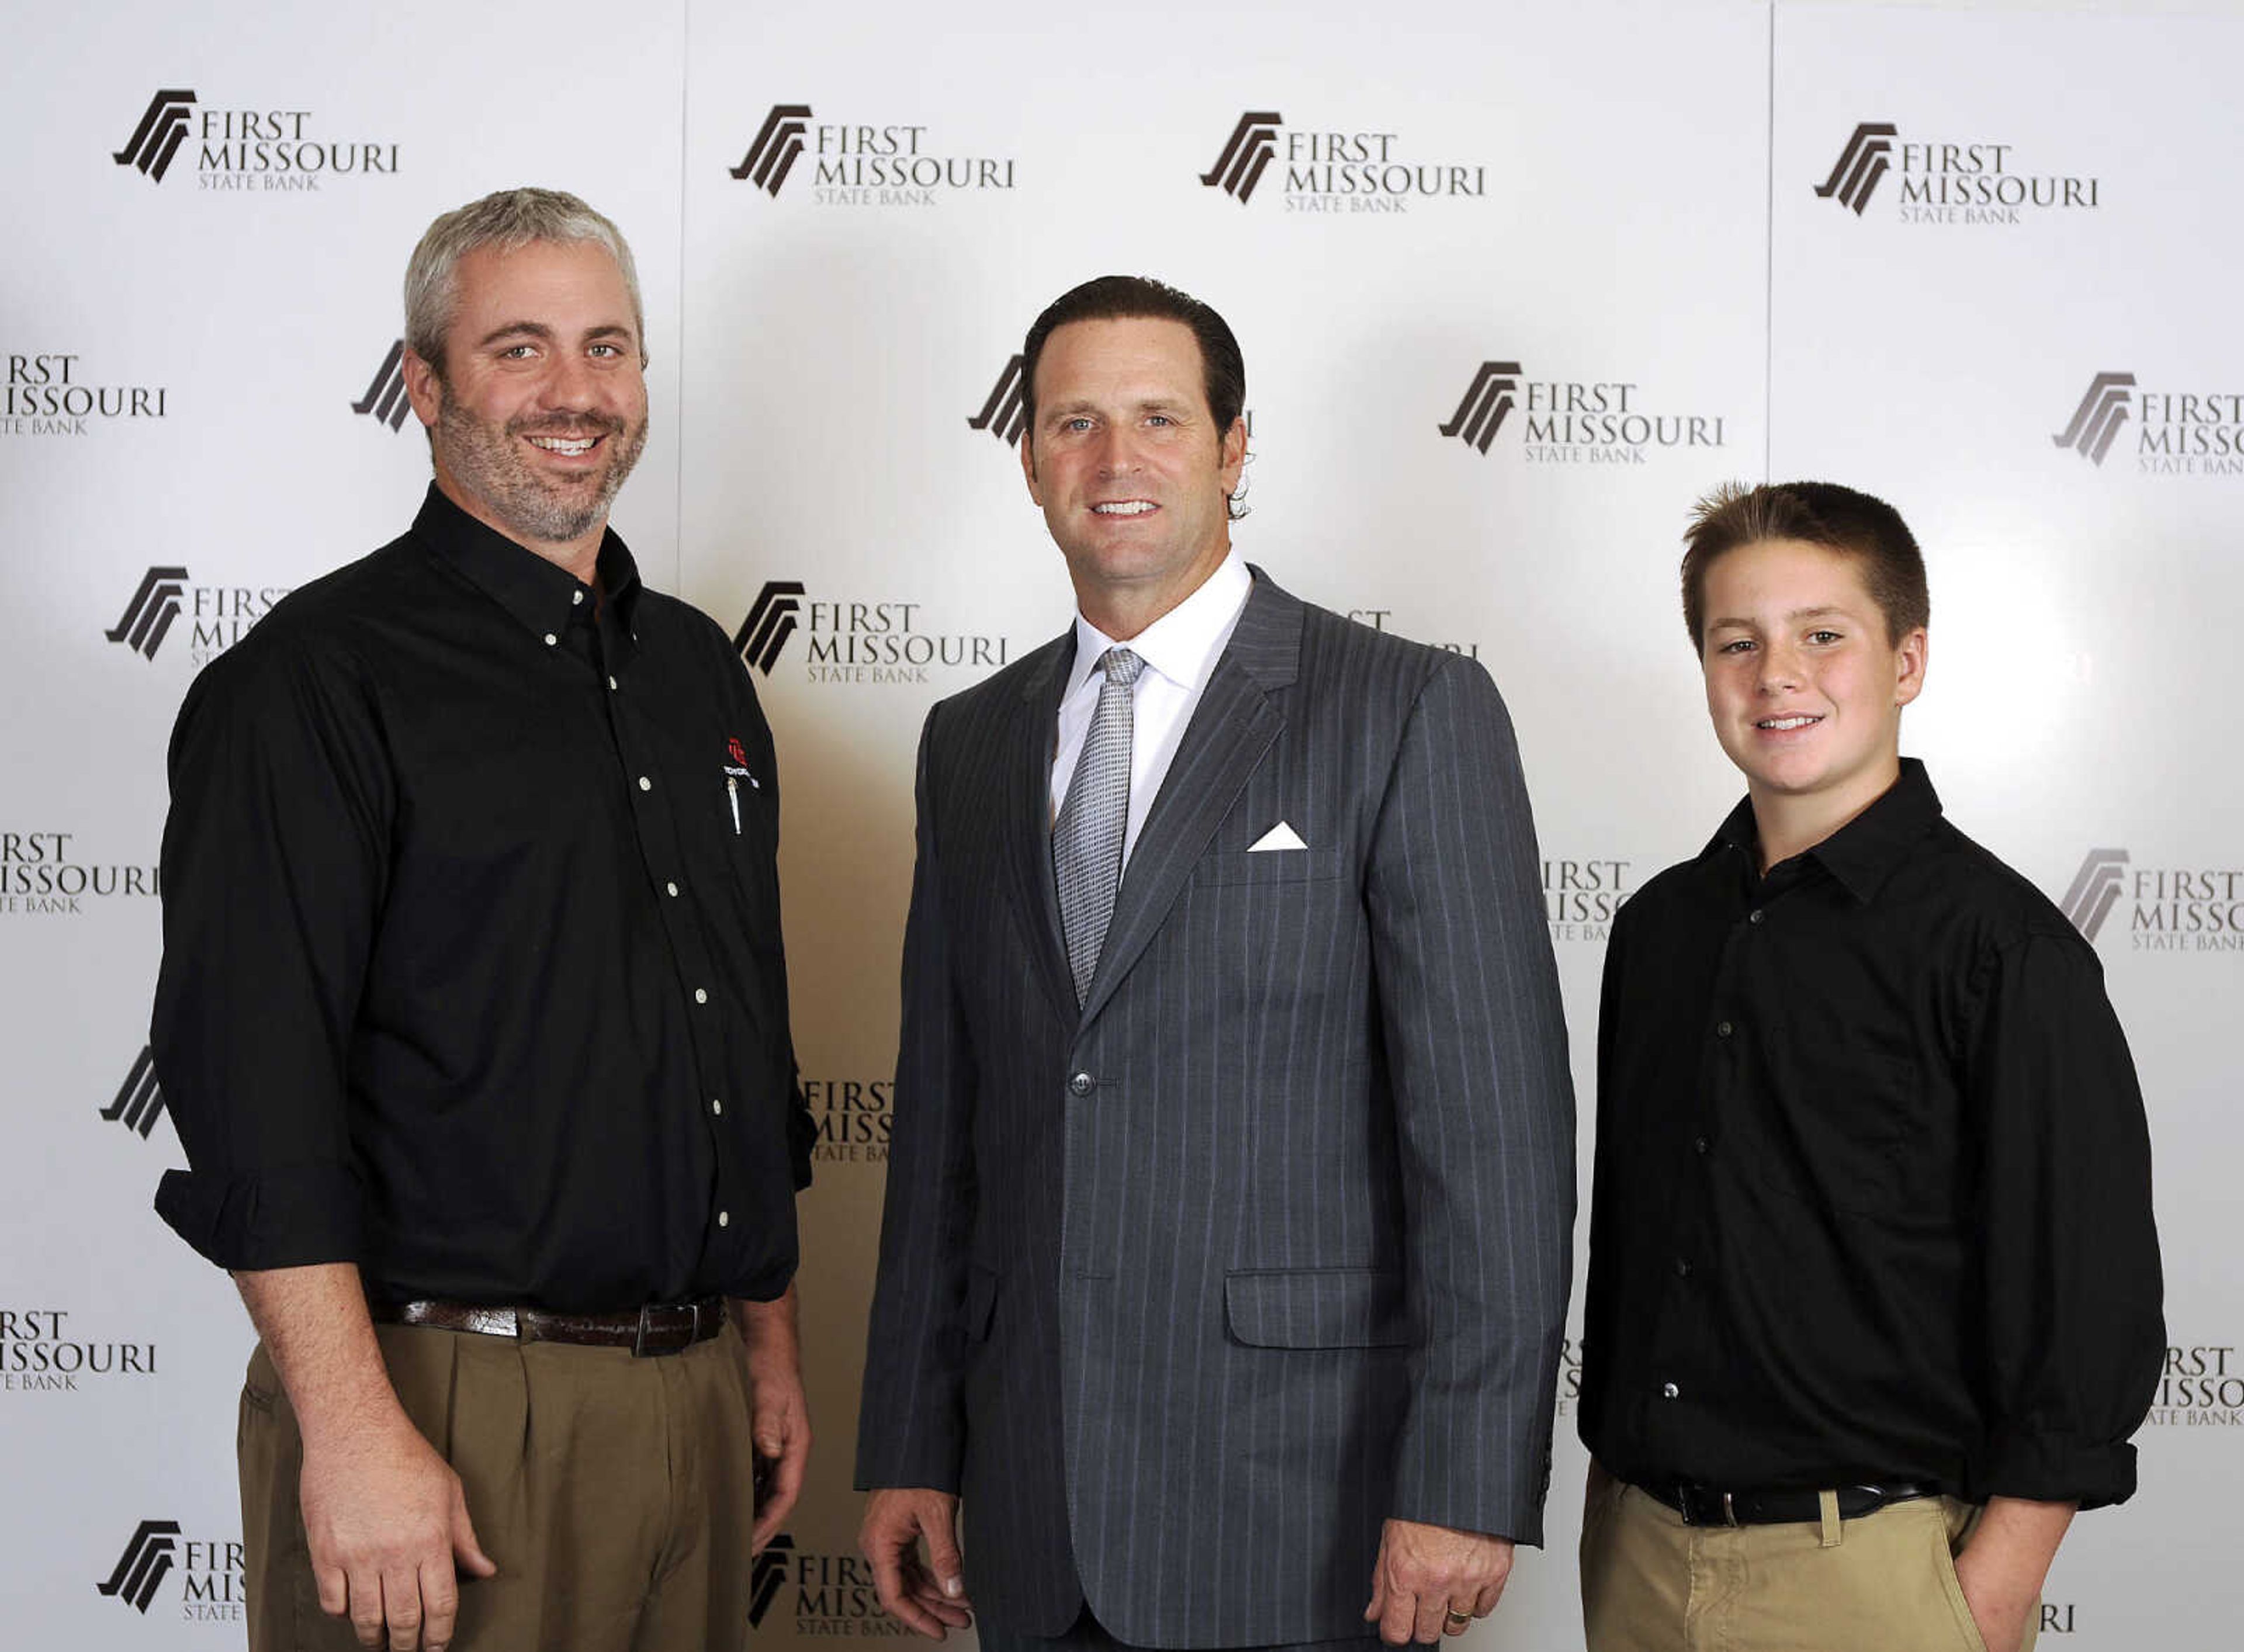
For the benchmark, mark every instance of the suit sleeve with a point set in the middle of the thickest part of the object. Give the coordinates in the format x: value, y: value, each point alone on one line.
x: 912, y: 1419
x: 1477, y: 1048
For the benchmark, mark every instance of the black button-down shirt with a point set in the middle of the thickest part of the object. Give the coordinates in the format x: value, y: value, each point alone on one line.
x: 472, y: 971
x: 1873, y: 1188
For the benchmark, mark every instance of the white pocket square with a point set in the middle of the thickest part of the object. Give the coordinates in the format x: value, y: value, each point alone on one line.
x: 1279, y: 836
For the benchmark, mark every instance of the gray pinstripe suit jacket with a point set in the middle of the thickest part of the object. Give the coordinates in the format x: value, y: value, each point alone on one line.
x: 1187, y: 1293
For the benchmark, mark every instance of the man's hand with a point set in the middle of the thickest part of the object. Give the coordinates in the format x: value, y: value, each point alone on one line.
x: 2003, y: 1563
x: 386, y: 1518
x: 383, y: 1511
x: 1424, y: 1573
x: 778, y: 1418
x: 928, y: 1598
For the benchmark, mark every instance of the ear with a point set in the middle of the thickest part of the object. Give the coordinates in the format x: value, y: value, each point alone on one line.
x: 1029, y: 464
x: 1910, y: 660
x: 1234, y: 456
x: 423, y: 389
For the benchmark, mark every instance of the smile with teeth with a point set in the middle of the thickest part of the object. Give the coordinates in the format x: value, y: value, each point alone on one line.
x: 1782, y: 725
x: 564, y: 444
x: 1123, y: 507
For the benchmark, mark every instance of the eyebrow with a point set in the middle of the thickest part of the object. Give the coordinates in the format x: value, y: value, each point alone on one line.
x: 1821, y: 613
x: 1144, y: 405
x: 540, y: 330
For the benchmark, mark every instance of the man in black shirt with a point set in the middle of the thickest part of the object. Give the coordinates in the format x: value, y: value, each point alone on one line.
x: 1873, y: 1289
x: 473, y: 1017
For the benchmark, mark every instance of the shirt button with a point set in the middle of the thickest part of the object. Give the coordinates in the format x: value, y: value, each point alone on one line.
x: 612, y: 685
x: 1669, y: 1391
x: 716, y: 1105
x: 1682, y: 1267
x: 1081, y: 1083
x: 700, y: 995
x: 644, y: 784
x: 1700, y: 1146
x: 1722, y: 1029
x: 672, y: 888
x: 1753, y: 917
x: 724, y: 1218
x: 551, y: 639
x: 576, y: 596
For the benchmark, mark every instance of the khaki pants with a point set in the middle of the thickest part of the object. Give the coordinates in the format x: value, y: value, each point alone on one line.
x: 615, y: 1494
x: 1885, y: 1582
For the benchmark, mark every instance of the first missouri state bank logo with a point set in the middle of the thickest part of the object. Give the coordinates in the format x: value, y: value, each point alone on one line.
x: 385, y: 401
x: 1574, y: 421
x: 867, y: 640
x: 864, y: 163
x: 261, y: 148
x: 1974, y: 180
x: 211, y: 1581
x: 146, y: 1561
x: 217, y: 616
x: 2169, y: 909
x: 2194, y: 432
x: 1004, y: 413
x: 155, y: 140
x: 1323, y: 169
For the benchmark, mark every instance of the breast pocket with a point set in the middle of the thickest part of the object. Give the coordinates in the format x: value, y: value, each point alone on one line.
x: 1270, y: 866
x: 1840, y: 1128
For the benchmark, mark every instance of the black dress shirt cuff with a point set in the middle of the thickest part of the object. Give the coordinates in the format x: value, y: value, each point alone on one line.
x: 284, y: 1218
x: 2056, y: 1468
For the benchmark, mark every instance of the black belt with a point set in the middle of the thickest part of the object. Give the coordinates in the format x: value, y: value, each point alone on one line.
x: 658, y: 1328
x: 1710, y: 1506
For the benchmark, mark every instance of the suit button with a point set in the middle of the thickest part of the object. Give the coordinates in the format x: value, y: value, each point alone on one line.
x: 1699, y: 1145
x: 1669, y: 1391
x: 1682, y: 1267
x: 1081, y: 1083
x: 1723, y: 1029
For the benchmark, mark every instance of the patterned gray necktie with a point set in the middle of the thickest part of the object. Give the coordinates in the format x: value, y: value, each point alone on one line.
x: 1087, y: 837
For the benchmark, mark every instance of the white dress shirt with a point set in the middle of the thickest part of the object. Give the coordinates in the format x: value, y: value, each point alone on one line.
x: 1178, y: 650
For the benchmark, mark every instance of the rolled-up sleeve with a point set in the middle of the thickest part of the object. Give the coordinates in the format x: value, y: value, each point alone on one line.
x: 2074, y: 1334
x: 274, y: 864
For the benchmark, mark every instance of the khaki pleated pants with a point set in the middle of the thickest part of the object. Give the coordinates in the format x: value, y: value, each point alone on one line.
x: 615, y: 1494
x: 1884, y: 1583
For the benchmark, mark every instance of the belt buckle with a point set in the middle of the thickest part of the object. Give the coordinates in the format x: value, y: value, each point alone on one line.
x: 1696, y: 1504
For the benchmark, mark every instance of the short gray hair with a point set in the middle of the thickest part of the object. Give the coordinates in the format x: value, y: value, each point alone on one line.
x: 508, y: 220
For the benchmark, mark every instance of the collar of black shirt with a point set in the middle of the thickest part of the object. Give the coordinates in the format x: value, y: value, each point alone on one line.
x: 1864, y: 852
x: 540, y: 594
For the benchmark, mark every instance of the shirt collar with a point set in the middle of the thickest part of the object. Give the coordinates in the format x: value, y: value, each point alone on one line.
x: 1184, y: 643
x: 541, y: 594
x: 1864, y: 852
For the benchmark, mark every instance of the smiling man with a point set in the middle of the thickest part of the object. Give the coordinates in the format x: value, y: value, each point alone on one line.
x: 473, y: 1019
x: 1229, y: 1207
x: 1874, y: 1286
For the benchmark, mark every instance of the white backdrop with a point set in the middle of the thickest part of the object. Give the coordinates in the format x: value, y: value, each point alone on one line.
x: 1624, y: 216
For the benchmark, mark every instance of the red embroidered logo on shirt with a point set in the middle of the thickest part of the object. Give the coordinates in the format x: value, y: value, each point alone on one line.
x: 740, y: 755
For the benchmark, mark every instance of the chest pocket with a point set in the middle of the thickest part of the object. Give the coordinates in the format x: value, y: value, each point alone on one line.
x: 1270, y: 866
x: 1836, y: 1126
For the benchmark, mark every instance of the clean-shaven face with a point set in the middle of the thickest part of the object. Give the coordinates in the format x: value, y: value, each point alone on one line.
x: 1804, y: 687
x: 1125, y: 458
x: 544, y: 396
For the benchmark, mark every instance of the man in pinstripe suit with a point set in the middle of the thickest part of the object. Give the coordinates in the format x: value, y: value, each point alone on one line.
x: 1229, y: 1205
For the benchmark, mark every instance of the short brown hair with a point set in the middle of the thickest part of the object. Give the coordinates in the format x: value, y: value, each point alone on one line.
x: 1820, y: 513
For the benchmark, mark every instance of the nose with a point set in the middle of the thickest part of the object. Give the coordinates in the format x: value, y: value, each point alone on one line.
x: 570, y: 384
x: 1780, y: 668
x: 1118, y: 452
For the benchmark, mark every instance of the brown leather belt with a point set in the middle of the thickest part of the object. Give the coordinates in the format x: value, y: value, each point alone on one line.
x: 658, y: 1328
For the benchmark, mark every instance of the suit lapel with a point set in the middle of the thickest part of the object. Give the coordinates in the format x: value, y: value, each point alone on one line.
x: 1230, y: 728
x: 1028, y: 822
